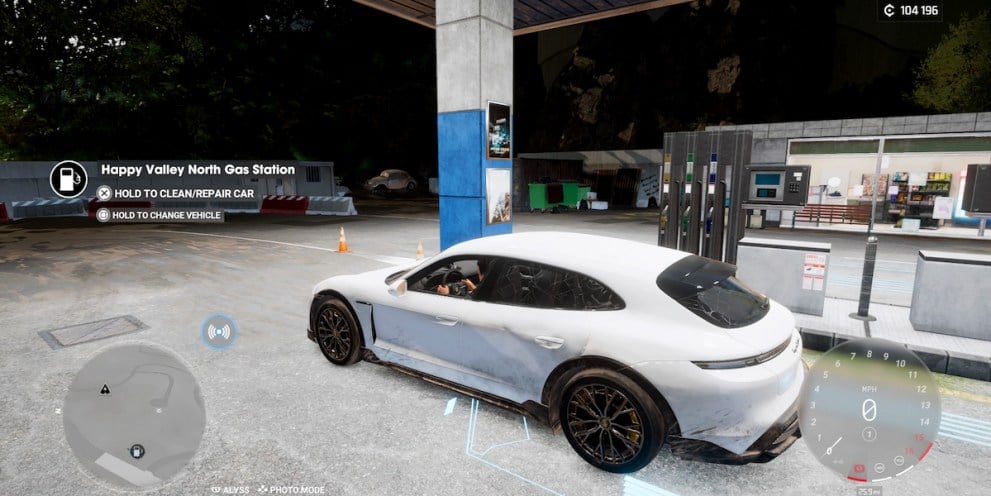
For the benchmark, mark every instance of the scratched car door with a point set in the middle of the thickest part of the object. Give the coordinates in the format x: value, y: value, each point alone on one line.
x: 513, y: 336
x: 420, y: 327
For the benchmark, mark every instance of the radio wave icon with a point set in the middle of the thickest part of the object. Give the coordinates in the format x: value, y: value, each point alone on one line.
x: 212, y: 332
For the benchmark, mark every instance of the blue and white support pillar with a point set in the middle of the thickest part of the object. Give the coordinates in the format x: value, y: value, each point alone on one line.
x: 474, y: 67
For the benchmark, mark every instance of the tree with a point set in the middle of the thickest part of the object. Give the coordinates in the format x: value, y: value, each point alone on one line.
x: 295, y: 79
x: 956, y: 74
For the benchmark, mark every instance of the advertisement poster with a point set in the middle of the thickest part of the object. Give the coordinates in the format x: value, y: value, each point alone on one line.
x: 498, y: 136
x: 498, y: 202
x: 867, y: 180
x: 943, y: 207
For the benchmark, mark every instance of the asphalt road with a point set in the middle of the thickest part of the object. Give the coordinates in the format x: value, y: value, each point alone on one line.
x: 281, y: 420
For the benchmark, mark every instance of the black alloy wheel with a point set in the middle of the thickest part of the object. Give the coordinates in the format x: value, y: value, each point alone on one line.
x: 610, y: 421
x: 337, y: 333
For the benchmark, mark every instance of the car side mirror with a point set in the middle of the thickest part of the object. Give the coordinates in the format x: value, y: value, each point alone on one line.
x: 398, y: 288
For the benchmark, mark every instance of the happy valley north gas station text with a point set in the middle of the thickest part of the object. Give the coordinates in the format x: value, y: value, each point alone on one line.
x: 193, y: 169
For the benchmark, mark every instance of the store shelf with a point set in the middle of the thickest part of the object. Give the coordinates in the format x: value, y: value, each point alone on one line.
x: 917, y: 201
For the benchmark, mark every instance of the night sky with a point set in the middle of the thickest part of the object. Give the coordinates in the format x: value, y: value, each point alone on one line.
x: 339, y: 81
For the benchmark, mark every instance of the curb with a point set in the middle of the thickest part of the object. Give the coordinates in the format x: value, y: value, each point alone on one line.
x: 885, y: 232
x: 87, y: 206
x: 939, y: 361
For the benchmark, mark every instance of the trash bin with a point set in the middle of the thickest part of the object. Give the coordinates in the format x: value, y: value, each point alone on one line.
x: 556, y: 194
x: 538, y: 197
x: 574, y: 193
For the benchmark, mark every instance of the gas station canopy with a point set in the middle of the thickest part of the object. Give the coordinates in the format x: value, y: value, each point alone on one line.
x: 529, y: 16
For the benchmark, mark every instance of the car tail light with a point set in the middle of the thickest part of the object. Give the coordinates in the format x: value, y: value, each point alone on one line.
x: 747, y: 361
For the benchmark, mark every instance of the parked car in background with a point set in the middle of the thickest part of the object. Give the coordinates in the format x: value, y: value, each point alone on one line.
x: 624, y: 346
x: 391, y: 180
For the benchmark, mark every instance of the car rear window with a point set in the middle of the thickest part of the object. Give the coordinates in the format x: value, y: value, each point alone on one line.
x: 530, y: 284
x: 707, y: 288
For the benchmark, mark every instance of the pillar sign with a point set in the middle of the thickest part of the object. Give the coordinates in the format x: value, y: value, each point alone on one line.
x: 499, y: 138
x: 474, y: 118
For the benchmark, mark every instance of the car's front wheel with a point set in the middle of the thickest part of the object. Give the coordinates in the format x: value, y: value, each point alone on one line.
x: 337, y: 333
x: 610, y: 421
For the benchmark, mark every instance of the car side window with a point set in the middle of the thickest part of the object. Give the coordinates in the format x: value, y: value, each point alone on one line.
x: 451, y: 272
x: 530, y: 284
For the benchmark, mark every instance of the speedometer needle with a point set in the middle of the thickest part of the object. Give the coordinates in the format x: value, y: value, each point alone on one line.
x: 829, y: 450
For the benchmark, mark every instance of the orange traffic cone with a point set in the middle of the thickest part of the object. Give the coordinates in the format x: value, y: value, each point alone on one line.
x: 342, y: 245
x: 419, y: 250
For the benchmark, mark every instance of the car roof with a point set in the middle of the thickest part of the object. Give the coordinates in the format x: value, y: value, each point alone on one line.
x: 602, y: 257
x: 390, y: 171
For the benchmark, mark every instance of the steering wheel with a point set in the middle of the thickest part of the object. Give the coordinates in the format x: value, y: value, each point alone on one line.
x: 453, y: 276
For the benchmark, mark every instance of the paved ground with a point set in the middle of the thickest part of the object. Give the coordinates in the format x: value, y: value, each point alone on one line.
x: 279, y: 416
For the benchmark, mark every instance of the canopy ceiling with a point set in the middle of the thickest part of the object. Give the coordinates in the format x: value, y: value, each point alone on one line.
x: 529, y: 16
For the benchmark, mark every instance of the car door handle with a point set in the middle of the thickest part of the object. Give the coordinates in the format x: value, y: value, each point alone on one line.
x: 549, y: 342
x: 446, y: 320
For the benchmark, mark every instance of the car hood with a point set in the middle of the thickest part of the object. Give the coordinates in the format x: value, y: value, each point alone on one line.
x: 358, y: 285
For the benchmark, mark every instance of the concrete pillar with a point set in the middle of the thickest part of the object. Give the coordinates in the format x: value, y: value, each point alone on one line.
x: 474, y: 67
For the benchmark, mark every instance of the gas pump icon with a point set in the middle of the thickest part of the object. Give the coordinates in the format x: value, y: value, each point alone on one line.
x: 68, y: 179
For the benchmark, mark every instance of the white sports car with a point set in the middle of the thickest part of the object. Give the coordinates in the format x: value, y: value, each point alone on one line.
x: 623, y: 345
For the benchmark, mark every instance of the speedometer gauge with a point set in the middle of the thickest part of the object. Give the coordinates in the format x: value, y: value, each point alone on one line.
x: 870, y: 410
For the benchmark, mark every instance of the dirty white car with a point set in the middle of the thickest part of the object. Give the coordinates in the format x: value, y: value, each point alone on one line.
x: 622, y: 345
x: 391, y: 180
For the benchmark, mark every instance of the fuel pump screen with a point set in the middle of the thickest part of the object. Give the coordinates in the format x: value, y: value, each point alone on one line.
x: 767, y: 179
x: 782, y: 185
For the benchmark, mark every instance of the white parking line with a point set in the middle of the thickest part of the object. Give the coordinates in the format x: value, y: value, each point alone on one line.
x: 966, y: 429
x: 378, y: 258
x: 637, y: 487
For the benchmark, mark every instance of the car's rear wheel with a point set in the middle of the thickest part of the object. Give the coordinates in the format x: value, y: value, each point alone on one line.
x: 410, y: 186
x: 610, y: 421
x: 337, y: 333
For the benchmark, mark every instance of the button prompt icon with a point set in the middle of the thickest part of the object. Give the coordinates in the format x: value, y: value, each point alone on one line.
x: 104, y: 193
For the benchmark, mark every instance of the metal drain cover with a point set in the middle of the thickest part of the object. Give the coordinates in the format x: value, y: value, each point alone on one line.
x: 92, y: 331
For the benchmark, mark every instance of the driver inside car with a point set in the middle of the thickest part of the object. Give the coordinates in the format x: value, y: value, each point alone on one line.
x: 465, y: 287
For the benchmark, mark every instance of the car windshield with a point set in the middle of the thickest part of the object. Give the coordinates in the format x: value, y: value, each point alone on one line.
x: 384, y: 174
x: 708, y: 288
x: 395, y: 276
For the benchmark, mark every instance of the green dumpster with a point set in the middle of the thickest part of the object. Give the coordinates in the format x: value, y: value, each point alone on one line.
x: 538, y: 196
x: 574, y: 193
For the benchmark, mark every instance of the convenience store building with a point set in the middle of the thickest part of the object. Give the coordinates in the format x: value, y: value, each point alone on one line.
x: 922, y: 161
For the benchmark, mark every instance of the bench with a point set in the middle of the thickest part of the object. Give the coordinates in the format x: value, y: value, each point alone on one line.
x: 834, y: 214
